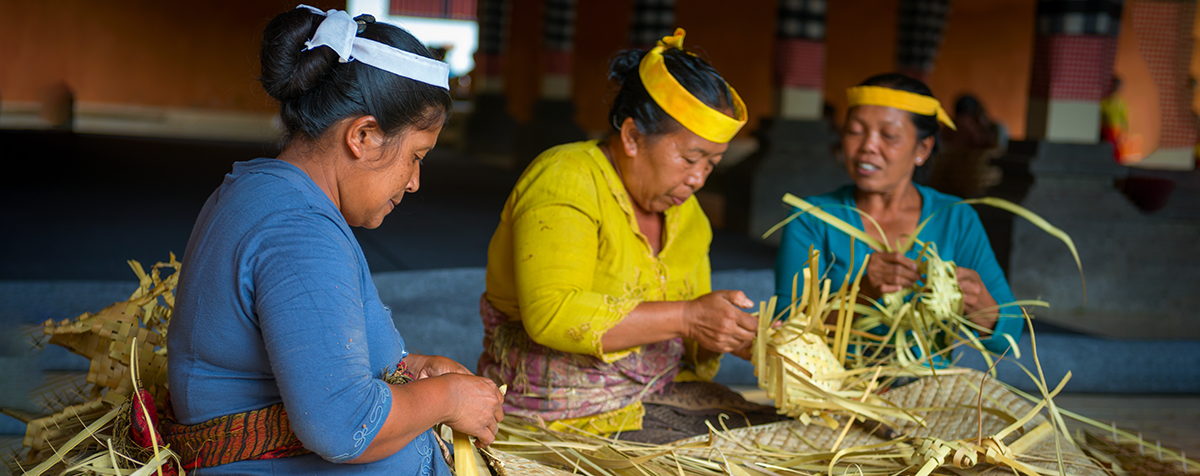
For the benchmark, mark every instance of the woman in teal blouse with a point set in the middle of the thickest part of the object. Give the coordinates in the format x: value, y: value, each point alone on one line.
x: 883, y: 145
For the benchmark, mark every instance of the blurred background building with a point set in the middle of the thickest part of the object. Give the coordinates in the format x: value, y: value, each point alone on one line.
x: 118, y: 118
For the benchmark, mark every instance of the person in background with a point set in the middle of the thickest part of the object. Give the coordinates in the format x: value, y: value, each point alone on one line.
x: 976, y: 130
x: 964, y: 166
x: 1114, y: 125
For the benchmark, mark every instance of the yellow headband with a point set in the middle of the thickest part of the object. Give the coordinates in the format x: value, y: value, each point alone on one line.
x: 902, y: 100
x: 696, y: 116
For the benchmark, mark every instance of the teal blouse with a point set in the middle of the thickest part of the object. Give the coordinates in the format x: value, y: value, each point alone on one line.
x: 956, y: 231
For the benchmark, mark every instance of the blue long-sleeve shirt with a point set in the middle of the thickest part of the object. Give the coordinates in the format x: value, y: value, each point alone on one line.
x: 276, y: 304
x: 956, y: 231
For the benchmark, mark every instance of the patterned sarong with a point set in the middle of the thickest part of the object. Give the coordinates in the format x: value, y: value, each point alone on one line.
x: 547, y: 384
x: 254, y: 435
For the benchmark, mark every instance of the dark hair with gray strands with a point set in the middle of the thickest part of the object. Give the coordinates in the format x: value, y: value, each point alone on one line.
x: 692, y: 72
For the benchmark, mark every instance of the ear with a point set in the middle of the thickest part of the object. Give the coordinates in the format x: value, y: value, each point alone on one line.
x: 363, y: 134
x: 925, y: 147
x: 630, y: 137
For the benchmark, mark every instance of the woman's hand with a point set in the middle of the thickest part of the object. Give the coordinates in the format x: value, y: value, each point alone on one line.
x: 425, y: 366
x: 715, y: 321
x: 976, y: 297
x: 466, y: 403
x: 745, y: 352
x: 477, y: 407
x: 888, y: 273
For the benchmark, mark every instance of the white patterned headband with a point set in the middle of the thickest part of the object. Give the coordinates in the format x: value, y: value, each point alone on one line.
x: 339, y: 32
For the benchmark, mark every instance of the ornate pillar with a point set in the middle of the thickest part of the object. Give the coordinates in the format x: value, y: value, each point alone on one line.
x: 1074, y: 176
x: 1164, y: 38
x: 1073, y: 58
x: 553, y: 120
x: 794, y: 147
x: 489, y: 129
x: 919, y: 35
x: 800, y: 59
x: 559, y: 42
x: 652, y: 20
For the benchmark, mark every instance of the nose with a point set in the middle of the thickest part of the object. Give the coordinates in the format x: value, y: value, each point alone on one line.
x: 870, y: 143
x: 696, y: 177
x: 414, y: 182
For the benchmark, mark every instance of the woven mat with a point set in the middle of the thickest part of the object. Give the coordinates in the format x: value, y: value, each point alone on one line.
x: 962, y: 422
x: 958, y: 418
x: 515, y: 465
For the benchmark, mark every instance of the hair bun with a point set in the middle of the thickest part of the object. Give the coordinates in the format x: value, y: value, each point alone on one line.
x: 625, y: 64
x: 287, y: 70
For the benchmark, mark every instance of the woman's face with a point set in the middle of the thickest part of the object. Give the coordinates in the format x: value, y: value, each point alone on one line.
x: 881, y: 147
x: 374, y: 185
x: 668, y: 168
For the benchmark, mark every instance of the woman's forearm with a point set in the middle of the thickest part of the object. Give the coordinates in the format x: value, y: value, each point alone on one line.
x: 416, y: 407
x: 715, y: 321
x: 648, y: 323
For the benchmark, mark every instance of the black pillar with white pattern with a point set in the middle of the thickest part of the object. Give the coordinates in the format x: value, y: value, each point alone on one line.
x: 553, y: 120
x: 652, y: 20
x: 919, y: 35
x: 794, y: 153
x: 489, y: 129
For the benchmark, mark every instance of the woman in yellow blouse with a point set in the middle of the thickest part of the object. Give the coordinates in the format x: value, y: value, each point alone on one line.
x: 599, y: 298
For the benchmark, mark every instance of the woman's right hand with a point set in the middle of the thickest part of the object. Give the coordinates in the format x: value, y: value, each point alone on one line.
x: 715, y: 321
x: 477, y: 409
x: 888, y: 273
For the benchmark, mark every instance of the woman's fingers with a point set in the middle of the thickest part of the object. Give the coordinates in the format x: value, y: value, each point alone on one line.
x: 488, y: 438
x: 901, y: 270
x: 743, y: 319
x: 895, y: 259
x: 739, y: 299
x: 744, y: 352
x: 971, y: 286
x: 719, y: 325
x: 479, y: 410
x: 436, y: 365
x: 890, y: 272
x: 890, y: 288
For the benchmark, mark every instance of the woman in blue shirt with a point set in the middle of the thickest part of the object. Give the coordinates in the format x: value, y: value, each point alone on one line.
x: 891, y: 128
x: 283, y: 360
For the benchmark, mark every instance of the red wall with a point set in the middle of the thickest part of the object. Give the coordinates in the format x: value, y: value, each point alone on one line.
x: 988, y: 51
x: 143, y: 52
x: 177, y: 54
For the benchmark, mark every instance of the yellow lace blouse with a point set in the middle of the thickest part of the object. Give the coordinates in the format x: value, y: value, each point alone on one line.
x: 569, y: 261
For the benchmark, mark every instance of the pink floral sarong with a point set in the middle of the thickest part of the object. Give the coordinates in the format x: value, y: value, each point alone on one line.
x: 548, y: 384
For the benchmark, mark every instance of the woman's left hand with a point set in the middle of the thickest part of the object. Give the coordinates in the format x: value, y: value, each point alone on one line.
x: 745, y: 352
x: 425, y: 366
x: 976, y: 297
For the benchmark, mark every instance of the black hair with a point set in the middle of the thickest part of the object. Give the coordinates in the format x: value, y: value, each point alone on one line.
x: 633, y: 101
x: 927, y: 126
x: 315, y: 90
